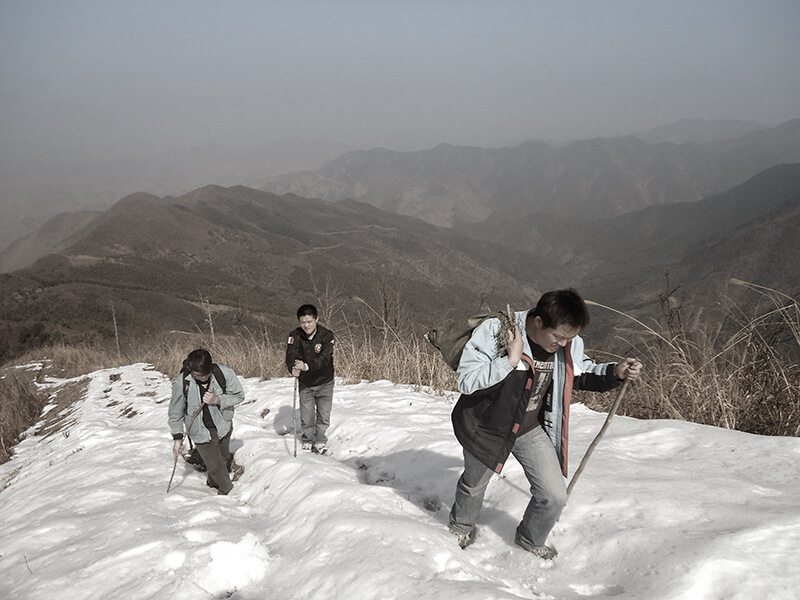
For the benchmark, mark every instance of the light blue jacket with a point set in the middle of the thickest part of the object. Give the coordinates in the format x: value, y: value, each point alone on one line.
x: 481, y: 367
x: 181, y: 410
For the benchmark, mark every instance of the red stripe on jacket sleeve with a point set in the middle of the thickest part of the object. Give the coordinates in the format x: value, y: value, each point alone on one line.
x: 567, y: 398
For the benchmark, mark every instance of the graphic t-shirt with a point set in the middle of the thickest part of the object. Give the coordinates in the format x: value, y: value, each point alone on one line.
x: 543, y: 363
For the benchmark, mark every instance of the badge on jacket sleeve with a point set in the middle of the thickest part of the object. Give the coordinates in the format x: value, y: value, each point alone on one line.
x: 291, y: 340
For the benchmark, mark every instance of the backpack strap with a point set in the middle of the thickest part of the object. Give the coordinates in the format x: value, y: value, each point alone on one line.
x: 218, y: 376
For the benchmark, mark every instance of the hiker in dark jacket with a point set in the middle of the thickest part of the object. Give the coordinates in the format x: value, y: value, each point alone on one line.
x: 197, y: 390
x: 309, y: 357
x: 518, y: 403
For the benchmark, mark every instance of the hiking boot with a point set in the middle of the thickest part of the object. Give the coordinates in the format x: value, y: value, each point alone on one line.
x: 464, y: 539
x: 211, y: 483
x: 321, y: 448
x: 543, y: 552
x: 237, y: 471
x: 306, y: 446
x: 193, y: 458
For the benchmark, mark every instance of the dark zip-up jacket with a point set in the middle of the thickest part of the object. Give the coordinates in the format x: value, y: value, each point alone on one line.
x: 317, y: 353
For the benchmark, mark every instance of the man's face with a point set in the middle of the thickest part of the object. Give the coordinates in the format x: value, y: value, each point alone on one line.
x: 308, y: 324
x: 201, y: 377
x: 549, y: 338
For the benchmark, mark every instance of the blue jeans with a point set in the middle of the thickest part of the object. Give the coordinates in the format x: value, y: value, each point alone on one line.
x: 315, y: 411
x: 536, y: 454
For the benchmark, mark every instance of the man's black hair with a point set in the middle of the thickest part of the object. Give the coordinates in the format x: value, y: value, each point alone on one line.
x: 307, y: 310
x: 199, y: 361
x: 562, y: 307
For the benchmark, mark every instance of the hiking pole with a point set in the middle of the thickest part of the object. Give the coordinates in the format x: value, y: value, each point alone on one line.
x: 175, y: 464
x: 294, y: 419
x: 596, y: 440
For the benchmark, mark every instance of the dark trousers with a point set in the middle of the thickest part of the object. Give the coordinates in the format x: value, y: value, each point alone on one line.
x: 216, y: 455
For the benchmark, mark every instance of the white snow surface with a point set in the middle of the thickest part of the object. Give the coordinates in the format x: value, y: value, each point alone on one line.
x: 664, y: 509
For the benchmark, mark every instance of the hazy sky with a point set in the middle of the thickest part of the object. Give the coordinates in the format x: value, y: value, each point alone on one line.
x: 134, y: 76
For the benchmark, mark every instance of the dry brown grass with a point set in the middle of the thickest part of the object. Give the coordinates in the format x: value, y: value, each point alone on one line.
x: 742, y: 375
x: 21, y: 405
x: 410, y: 360
x: 748, y: 379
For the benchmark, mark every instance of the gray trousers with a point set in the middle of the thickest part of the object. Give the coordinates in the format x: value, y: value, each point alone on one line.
x: 216, y: 455
x: 315, y: 411
x: 536, y: 454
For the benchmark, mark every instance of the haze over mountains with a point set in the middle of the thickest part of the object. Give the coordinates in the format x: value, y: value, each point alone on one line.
x: 453, y: 186
x: 37, y: 183
x: 613, y: 217
x: 697, y: 131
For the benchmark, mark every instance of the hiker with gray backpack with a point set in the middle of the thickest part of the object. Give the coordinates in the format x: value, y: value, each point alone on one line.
x: 213, y: 390
x: 516, y: 374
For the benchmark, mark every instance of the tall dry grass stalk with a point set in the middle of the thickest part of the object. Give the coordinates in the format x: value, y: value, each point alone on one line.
x: 742, y: 375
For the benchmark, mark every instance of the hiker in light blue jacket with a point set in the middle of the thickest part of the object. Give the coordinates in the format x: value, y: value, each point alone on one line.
x: 204, y: 386
x: 517, y: 402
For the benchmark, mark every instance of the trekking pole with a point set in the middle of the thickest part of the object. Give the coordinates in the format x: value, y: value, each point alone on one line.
x: 175, y: 464
x: 294, y: 419
x: 596, y: 440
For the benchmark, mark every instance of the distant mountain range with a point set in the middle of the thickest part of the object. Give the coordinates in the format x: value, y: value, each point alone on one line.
x: 38, y: 183
x: 457, y: 186
x: 247, y: 258
x: 698, y: 131
x: 748, y: 232
x: 460, y: 185
x: 622, y: 219
x: 251, y: 258
x: 447, y: 186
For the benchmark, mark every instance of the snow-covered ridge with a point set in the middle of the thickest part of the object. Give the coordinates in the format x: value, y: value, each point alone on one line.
x: 664, y: 509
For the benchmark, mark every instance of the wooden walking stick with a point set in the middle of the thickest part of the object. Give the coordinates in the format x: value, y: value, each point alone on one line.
x: 175, y: 465
x: 294, y: 419
x: 596, y: 440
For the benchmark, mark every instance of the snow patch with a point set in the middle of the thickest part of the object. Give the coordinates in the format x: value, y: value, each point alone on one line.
x: 664, y: 511
x: 234, y: 566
